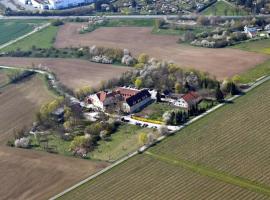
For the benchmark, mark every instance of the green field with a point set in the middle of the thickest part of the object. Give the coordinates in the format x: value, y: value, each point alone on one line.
x: 260, y: 46
x: 42, y: 39
x: 155, y: 111
x: 223, y: 8
x: 12, y: 29
x: 256, y: 72
x: 233, y: 140
x: 222, y: 156
x: 123, y: 141
x: 147, y: 178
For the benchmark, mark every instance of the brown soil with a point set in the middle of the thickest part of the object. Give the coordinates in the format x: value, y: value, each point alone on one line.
x: 19, y: 102
x: 73, y: 73
x: 219, y: 62
x: 29, y: 174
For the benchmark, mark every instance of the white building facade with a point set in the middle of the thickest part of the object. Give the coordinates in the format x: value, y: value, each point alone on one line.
x: 61, y: 4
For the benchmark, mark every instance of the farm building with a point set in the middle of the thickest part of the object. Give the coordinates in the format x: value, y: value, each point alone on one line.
x: 137, y: 101
x: 131, y: 99
x: 104, y: 99
x: 188, y: 100
x: 61, y: 4
x: 251, y: 31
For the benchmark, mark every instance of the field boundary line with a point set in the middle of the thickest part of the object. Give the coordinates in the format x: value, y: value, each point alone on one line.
x: 39, y: 28
x: 94, y: 175
x: 202, y: 170
x: 144, y: 148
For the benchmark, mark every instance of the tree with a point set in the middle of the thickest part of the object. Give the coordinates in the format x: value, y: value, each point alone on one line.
x: 203, y: 20
x: 219, y: 94
x: 168, y: 117
x: 80, y: 142
x: 143, y: 138
x: 138, y: 83
x: 163, y: 130
x: 178, y: 88
x: 143, y: 58
x: 236, y: 79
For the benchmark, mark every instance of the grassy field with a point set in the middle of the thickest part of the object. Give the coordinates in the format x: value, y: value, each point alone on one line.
x: 42, y: 39
x: 256, y: 72
x: 227, y: 151
x: 130, y: 22
x: 233, y: 140
x: 223, y: 8
x: 12, y: 29
x: 260, y: 46
x: 155, y: 111
x: 145, y: 177
x: 123, y: 141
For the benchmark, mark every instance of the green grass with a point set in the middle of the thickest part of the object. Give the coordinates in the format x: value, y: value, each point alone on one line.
x: 130, y: 22
x: 41, y: 39
x: 54, y: 140
x: 260, y: 46
x: 179, y: 31
x: 226, y: 151
x: 256, y: 72
x: 123, y: 141
x: 12, y: 29
x: 155, y: 111
x: 222, y: 8
x: 231, y: 140
x: 244, y: 183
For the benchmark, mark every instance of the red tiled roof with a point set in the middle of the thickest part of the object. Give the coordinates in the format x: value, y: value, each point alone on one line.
x: 191, y: 96
x: 103, y: 95
x: 127, y: 92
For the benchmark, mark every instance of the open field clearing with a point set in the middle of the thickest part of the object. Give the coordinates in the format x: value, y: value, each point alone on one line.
x: 12, y: 29
x: 223, y: 8
x: 123, y: 141
x: 260, y: 46
x: 27, y: 174
x: 234, y: 140
x: 71, y: 72
x: 144, y: 177
x: 19, y: 102
x: 219, y: 62
x: 41, y: 39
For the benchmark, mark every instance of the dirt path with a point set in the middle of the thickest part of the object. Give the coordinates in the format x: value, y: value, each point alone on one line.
x: 219, y: 62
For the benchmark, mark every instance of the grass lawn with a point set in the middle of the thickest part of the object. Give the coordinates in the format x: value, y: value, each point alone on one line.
x: 256, y: 72
x: 12, y: 29
x: 223, y: 8
x: 260, y: 46
x: 54, y: 141
x: 123, y: 141
x: 130, y: 22
x: 171, y: 31
x: 155, y: 111
x: 42, y: 39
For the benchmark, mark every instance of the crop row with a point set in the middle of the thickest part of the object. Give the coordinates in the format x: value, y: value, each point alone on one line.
x: 143, y: 177
x: 234, y: 140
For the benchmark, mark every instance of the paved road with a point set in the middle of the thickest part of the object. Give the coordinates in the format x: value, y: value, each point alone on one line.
x: 127, y: 17
x: 24, y: 36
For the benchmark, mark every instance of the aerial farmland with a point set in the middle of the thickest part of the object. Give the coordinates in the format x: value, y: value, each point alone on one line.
x: 132, y: 107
